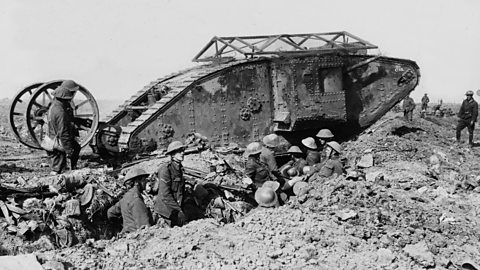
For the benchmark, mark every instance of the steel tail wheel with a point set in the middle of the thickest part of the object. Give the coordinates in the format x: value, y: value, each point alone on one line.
x: 16, y: 116
x: 85, y: 112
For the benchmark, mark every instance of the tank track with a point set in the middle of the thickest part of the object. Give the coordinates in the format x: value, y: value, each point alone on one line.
x: 178, y: 84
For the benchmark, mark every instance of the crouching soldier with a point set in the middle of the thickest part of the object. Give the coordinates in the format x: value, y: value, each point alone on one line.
x: 332, y: 165
x: 171, y: 187
x: 257, y: 170
x: 131, y: 207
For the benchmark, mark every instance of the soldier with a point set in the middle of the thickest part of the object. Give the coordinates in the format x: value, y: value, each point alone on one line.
x: 255, y: 168
x: 425, y: 101
x: 61, y: 126
x: 313, y: 156
x: 467, y: 116
x: 267, y: 155
x: 408, y: 107
x: 296, y: 161
x: 324, y: 136
x: 131, y: 207
x: 171, y: 187
x: 333, y: 164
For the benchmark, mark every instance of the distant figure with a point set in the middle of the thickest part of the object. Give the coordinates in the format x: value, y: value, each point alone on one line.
x: 467, y: 116
x: 61, y: 126
x: 408, y: 107
x: 425, y: 101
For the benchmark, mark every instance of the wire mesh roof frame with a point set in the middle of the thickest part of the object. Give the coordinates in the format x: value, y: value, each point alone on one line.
x: 223, y: 48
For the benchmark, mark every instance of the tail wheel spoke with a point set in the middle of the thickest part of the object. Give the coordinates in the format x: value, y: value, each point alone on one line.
x: 17, y: 114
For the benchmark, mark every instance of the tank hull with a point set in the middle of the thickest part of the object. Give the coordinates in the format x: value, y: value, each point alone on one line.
x: 243, y: 100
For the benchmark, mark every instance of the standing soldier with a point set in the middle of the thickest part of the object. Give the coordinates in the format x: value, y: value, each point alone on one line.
x: 131, y: 207
x: 467, y: 116
x: 408, y: 107
x: 171, y: 187
x: 61, y: 126
x: 425, y: 101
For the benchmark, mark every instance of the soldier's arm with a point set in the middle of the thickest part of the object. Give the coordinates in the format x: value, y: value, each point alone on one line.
x: 475, y: 112
x: 250, y: 170
x: 114, y: 211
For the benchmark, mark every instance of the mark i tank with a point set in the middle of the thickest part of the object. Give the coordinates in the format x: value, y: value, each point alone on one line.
x: 245, y: 87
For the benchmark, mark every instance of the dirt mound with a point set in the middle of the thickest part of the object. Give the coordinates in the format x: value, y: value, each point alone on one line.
x: 415, y: 208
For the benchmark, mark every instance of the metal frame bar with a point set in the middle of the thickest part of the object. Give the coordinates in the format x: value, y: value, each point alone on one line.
x: 260, y: 45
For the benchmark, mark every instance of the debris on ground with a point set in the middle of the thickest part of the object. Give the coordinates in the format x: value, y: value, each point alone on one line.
x: 409, y: 201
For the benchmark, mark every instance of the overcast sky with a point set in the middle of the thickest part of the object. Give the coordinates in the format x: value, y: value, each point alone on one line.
x: 114, y: 48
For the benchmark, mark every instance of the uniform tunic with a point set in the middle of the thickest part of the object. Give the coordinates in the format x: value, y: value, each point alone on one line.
x: 267, y: 157
x: 468, y: 113
x: 313, y: 157
x: 132, y: 209
x: 171, y: 189
x: 61, y: 125
x: 297, y: 164
x: 257, y: 171
x: 331, y: 167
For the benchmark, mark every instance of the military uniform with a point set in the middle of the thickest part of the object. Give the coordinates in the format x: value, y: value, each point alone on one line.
x: 267, y: 157
x: 61, y: 125
x: 331, y: 167
x: 132, y: 209
x: 257, y: 171
x: 468, y: 113
x: 313, y: 157
x: 171, y: 189
x: 408, y: 107
x: 297, y: 164
x: 425, y: 101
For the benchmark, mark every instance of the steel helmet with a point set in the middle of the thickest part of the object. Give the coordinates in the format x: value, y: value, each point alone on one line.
x: 134, y: 174
x: 70, y: 85
x: 253, y: 148
x: 306, y: 169
x: 301, y: 188
x: 175, y: 146
x: 271, y: 140
x: 274, y: 185
x: 309, y: 143
x: 335, y: 146
x: 469, y: 93
x: 292, y: 172
x: 63, y: 93
x: 294, y: 149
x: 266, y: 197
x: 325, y: 133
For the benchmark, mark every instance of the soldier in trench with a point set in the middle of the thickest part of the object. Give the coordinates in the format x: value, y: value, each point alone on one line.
x: 131, y: 207
x: 171, y: 187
